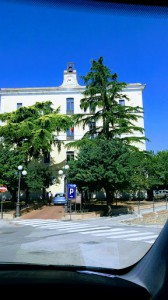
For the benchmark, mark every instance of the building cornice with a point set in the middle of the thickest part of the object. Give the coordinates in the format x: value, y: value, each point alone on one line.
x: 60, y: 90
x: 134, y: 86
x: 40, y: 91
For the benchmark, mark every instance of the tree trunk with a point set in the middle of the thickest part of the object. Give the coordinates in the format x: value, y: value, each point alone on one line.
x: 27, y: 194
x: 14, y: 195
x: 150, y: 195
x: 109, y: 200
x: 43, y: 194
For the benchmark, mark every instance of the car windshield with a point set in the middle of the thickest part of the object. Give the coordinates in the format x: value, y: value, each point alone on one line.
x: 80, y: 91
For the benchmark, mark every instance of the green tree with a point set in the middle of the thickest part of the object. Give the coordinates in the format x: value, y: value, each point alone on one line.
x: 26, y: 134
x: 102, y: 164
x: 39, y: 177
x: 109, y: 122
x: 162, y: 169
x: 112, y: 120
x: 139, y: 182
x: 33, y: 129
x: 9, y: 161
x: 157, y: 168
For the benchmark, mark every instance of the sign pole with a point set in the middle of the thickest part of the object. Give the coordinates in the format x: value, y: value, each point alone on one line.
x: 3, y: 189
x: 1, y: 207
x: 70, y: 210
x: 71, y: 194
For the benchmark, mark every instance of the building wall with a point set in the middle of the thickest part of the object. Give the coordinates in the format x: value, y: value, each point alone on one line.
x: 10, y: 98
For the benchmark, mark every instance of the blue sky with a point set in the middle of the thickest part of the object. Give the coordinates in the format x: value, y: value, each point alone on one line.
x: 37, y: 41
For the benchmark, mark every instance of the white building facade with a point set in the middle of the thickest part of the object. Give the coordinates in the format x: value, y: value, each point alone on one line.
x: 66, y: 96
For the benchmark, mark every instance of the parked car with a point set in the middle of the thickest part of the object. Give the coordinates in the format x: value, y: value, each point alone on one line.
x: 59, y: 198
x: 160, y: 194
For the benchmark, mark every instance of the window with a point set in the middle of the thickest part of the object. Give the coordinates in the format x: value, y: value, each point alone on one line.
x: 70, y: 134
x: 70, y: 106
x: 122, y: 102
x: 92, y: 125
x: 47, y: 158
x: 70, y: 67
x: 19, y: 104
x: 69, y: 155
x: 92, y: 128
x: 91, y: 110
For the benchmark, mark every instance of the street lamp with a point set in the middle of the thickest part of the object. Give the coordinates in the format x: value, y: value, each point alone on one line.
x: 20, y: 172
x: 61, y: 172
x: 66, y: 167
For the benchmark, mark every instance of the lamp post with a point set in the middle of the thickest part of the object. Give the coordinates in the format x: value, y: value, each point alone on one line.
x: 66, y: 167
x: 61, y: 172
x: 20, y: 172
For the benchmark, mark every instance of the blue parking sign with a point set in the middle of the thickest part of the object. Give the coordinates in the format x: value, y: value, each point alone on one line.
x: 71, y: 191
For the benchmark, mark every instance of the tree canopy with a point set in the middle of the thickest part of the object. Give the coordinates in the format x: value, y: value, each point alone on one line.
x: 33, y: 129
x: 112, y: 135
x: 103, y: 115
x: 28, y: 134
x: 103, y: 164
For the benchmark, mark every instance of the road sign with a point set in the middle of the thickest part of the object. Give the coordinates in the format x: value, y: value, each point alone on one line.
x: 71, y: 191
x: 3, y: 189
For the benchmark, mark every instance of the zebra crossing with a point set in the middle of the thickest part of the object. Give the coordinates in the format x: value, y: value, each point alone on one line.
x: 91, y: 229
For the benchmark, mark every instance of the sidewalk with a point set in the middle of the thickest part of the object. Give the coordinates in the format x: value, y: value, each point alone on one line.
x: 152, y: 218
x: 145, y: 214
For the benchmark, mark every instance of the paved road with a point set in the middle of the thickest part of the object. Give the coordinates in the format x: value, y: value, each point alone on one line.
x: 96, y: 228
x: 95, y: 242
